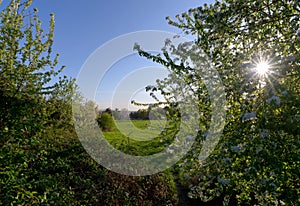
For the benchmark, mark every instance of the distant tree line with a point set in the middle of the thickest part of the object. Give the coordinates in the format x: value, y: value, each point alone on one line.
x: 106, y: 118
x: 117, y: 114
x: 142, y: 114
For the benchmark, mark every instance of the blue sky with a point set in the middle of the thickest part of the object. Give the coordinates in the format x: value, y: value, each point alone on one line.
x: 84, y: 25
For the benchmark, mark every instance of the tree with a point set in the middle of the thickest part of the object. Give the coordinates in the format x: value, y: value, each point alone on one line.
x: 27, y: 71
x: 257, y: 159
x: 116, y: 114
x: 30, y: 103
x: 108, y: 110
x: 124, y: 114
x: 141, y: 114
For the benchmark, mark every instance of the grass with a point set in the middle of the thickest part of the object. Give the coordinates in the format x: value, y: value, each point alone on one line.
x: 141, y: 130
x: 140, y: 137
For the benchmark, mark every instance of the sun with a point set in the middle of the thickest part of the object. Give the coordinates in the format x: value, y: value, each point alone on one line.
x: 262, y: 68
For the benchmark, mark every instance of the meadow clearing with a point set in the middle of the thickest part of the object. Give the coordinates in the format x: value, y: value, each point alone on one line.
x: 140, y: 137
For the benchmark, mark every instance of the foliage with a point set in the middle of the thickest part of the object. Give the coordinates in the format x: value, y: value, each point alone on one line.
x: 141, y: 114
x: 105, y: 121
x: 154, y: 112
x: 108, y: 110
x: 117, y: 114
x: 122, y: 114
x: 41, y: 160
x: 64, y: 174
x: 30, y: 105
x: 27, y: 68
x: 257, y: 159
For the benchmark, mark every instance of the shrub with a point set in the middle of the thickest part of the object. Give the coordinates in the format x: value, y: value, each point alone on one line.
x: 106, y: 122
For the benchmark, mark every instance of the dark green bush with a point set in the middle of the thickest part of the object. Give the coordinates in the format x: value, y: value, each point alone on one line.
x: 106, y: 122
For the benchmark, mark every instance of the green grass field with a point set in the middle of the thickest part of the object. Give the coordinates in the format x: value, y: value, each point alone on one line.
x: 140, y: 137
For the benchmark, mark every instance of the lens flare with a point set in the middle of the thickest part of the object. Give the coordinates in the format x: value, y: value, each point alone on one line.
x: 262, y: 68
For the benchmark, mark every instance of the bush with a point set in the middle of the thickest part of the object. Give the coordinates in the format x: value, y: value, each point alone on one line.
x: 106, y: 122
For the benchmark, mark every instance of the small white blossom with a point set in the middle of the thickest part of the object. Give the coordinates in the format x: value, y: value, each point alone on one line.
x: 263, y: 133
x: 284, y: 92
x: 186, y: 176
x: 223, y: 181
x: 171, y: 151
x: 274, y: 99
x: 249, y: 116
x: 237, y: 148
x: 227, y: 160
x: 281, y: 202
x: 297, y: 117
x: 258, y: 150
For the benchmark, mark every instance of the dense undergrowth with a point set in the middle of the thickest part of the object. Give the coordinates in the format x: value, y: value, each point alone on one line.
x: 58, y: 171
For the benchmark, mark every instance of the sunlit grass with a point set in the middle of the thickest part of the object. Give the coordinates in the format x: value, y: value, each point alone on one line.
x: 141, y: 130
x: 140, y: 143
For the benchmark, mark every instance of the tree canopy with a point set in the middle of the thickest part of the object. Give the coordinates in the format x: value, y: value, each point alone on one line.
x: 257, y: 158
x: 34, y: 99
x: 28, y: 70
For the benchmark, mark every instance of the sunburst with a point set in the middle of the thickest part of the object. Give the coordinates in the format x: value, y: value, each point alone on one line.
x: 262, y: 68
